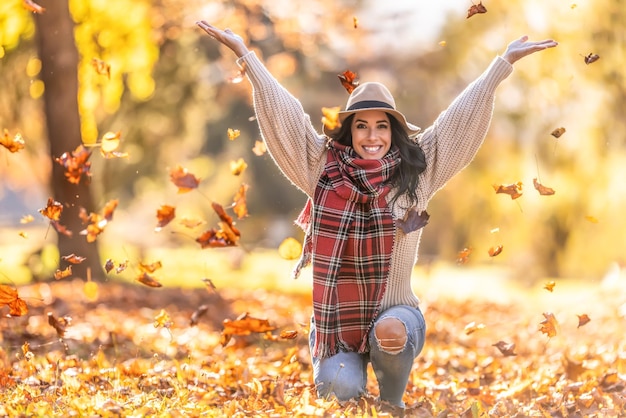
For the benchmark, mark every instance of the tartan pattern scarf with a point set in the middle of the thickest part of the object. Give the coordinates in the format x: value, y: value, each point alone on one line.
x: 350, y: 236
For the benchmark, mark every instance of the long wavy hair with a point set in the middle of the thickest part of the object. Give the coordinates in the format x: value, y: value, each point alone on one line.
x: 412, y: 158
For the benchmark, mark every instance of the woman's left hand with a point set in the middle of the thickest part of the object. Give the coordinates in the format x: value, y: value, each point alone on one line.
x: 521, y: 47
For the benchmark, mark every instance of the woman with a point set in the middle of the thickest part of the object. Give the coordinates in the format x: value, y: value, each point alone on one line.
x: 369, y: 183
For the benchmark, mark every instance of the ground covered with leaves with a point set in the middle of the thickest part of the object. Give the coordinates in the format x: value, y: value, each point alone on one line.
x: 129, y: 350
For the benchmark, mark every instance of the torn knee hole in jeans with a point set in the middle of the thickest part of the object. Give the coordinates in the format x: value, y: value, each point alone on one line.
x: 391, y: 335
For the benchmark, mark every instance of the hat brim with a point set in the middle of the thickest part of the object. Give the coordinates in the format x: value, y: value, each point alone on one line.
x: 409, y: 128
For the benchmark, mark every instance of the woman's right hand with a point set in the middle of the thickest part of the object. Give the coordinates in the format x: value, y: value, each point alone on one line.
x: 226, y: 37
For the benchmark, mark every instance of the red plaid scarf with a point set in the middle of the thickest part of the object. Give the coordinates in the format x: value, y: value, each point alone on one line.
x: 350, y: 235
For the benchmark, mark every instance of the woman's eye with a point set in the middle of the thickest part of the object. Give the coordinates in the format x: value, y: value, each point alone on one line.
x: 383, y: 126
x: 360, y: 126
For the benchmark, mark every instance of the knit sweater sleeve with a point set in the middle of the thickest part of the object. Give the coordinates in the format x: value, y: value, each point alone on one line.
x: 458, y: 132
x: 291, y: 139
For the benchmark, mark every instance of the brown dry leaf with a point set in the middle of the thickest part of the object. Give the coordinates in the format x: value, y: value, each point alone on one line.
x: 543, y: 190
x: 62, y: 274
x: 12, y: 144
x: 288, y: 334
x: 52, y: 210
x: 330, y: 117
x: 473, y: 327
x: 244, y: 325
x: 10, y: 298
x: 60, y: 324
x: 463, y: 256
x: 109, y: 265
x: 197, y: 314
x: 558, y: 132
x: 349, y: 80
x: 591, y: 58
x: 413, y: 221
x: 61, y: 229
x: 495, y: 250
x: 550, y: 286
x: 183, y: 179
x: 238, y: 167
x: 101, y: 67
x: 549, y: 325
x: 97, y: 222
x: 583, y: 320
x: 73, y: 258
x: 513, y: 190
x: 165, y: 214
x: 476, y: 8
x: 240, y: 206
x: 148, y: 280
x: 259, y: 148
x: 76, y: 164
x: 507, y: 349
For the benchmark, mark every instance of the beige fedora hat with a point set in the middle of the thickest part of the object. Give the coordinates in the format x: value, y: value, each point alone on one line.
x: 372, y: 96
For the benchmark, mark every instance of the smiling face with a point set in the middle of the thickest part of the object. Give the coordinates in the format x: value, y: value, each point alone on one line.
x: 371, y: 134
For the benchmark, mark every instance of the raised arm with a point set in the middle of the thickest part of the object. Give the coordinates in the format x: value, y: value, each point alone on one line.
x: 457, y: 134
x: 291, y: 139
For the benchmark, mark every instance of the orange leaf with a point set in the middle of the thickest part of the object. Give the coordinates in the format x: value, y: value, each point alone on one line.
x: 513, y: 190
x: 288, y: 334
x: 348, y: 80
x: 476, y: 8
x: 543, y: 190
x: 61, y: 229
x: 73, y: 258
x: 52, y: 210
x: 150, y: 268
x: 109, y: 208
x: 233, y: 134
x: 62, y: 274
x: 184, y: 180
x: 330, y: 117
x: 549, y: 325
x: 60, y: 324
x: 496, y: 250
x: 33, y: 7
x: 240, y: 208
x: 101, y: 67
x: 76, y: 164
x: 149, y: 281
x: 9, y: 297
x: 165, y: 215
x: 12, y: 144
x: 463, y: 255
x: 244, y: 325
x: 507, y: 349
x: 550, y: 286
x: 583, y: 320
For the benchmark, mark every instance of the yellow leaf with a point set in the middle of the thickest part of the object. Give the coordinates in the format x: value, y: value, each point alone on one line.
x: 238, y: 167
x: 110, y: 141
x: 290, y: 249
x: 90, y: 289
x: 162, y: 320
x: 233, y: 134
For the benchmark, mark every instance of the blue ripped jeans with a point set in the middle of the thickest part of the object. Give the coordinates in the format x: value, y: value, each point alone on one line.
x: 345, y: 373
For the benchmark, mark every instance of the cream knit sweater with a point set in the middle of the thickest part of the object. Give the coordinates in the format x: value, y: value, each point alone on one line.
x: 449, y: 144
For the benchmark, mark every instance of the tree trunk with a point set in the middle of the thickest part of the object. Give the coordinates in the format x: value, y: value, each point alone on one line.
x: 59, y: 72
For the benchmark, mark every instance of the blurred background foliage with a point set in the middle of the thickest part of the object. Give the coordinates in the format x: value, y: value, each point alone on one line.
x: 172, y: 97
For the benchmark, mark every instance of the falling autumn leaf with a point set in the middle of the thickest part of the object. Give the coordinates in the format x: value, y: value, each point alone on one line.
x: 233, y: 134
x: 145, y: 278
x: 550, y: 286
x: 33, y: 7
x: 62, y: 274
x: 543, y: 190
x: 109, y: 265
x: 591, y: 58
x: 121, y: 267
x: 557, y: 132
x: 162, y: 320
x: 10, y: 298
x: 52, y: 210
x: 330, y: 117
x: 290, y: 249
x: 476, y: 8
x: 259, y: 148
x: 495, y: 250
x: 413, y: 221
x: 109, y: 143
x: 463, y: 256
x: 101, y: 67
x: 583, y: 320
x: 183, y: 179
x: 165, y: 214
x: 191, y: 223
x: 244, y: 325
x: 349, y: 80
x: 12, y: 144
x: 59, y: 324
x: 76, y: 164
x: 238, y: 167
x: 473, y: 327
x: 26, y: 219
x: 150, y: 268
x: 240, y: 207
x: 73, y: 258
x: 549, y: 325
x: 288, y: 334
x: 355, y: 22
x: 513, y: 190
x: 197, y: 314
x: 97, y: 222
x: 507, y: 349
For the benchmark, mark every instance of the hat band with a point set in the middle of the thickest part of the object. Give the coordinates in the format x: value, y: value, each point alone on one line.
x: 367, y: 104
